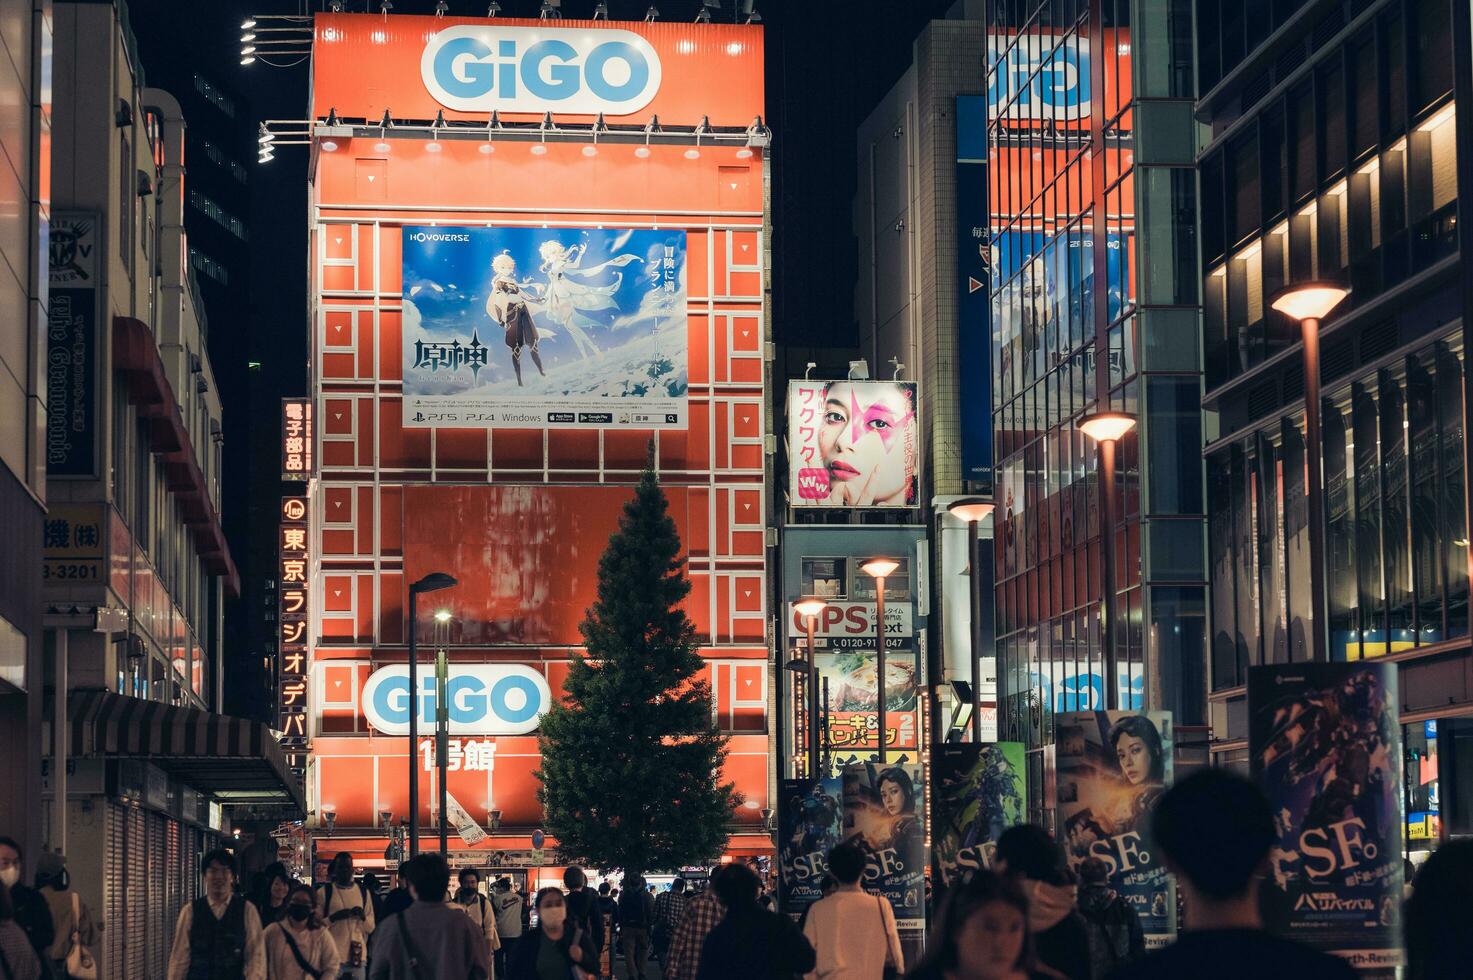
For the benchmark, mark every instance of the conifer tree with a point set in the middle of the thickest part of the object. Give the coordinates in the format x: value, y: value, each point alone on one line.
x: 631, y: 758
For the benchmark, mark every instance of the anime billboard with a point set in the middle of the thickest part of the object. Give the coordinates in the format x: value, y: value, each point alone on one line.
x: 1111, y: 767
x: 978, y: 792
x: 853, y: 444
x: 811, y: 823
x: 1325, y: 745
x: 884, y: 813
x: 544, y: 327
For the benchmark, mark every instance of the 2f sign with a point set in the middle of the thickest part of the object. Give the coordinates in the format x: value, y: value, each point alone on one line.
x: 484, y: 67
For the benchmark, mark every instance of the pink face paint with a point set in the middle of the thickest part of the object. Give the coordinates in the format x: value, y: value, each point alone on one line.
x: 878, y: 411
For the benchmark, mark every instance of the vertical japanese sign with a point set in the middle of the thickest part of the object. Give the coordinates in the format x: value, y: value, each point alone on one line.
x: 298, y: 435
x: 973, y: 309
x: 853, y: 444
x: 1111, y: 767
x: 810, y: 822
x: 72, y: 347
x: 884, y: 813
x: 1325, y: 744
x: 73, y: 543
x: 294, y: 610
x: 977, y: 792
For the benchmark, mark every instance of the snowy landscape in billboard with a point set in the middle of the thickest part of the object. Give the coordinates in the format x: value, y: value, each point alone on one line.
x: 544, y: 327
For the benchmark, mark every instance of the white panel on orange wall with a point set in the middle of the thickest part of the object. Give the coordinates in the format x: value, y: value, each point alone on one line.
x: 338, y: 507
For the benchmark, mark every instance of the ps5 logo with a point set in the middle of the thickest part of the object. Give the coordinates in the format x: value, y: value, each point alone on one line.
x: 480, y: 68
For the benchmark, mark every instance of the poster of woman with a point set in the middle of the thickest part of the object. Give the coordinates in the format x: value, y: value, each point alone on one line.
x: 883, y: 813
x: 853, y: 443
x: 1112, y: 767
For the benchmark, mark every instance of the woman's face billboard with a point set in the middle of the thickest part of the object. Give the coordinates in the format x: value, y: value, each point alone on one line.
x: 852, y: 443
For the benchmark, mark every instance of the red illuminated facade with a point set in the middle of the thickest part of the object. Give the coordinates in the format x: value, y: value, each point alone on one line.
x: 521, y: 516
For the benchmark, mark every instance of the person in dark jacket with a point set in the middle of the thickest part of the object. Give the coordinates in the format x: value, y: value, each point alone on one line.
x: 32, y: 913
x: 555, y: 946
x: 218, y: 935
x: 636, y: 915
x: 583, y: 910
x: 1035, y: 862
x: 751, y: 943
x: 1115, y: 934
x: 398, y: 898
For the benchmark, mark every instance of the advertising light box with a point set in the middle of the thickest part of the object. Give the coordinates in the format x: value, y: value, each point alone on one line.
x: 853, y: 444
x: 544, y: 327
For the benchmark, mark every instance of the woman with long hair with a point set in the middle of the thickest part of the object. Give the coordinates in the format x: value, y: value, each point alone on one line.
x: 555, y: 946
x: 1142, y: 759
x: 298, y: 946
x: 981, y: 933
x: 270, y: 896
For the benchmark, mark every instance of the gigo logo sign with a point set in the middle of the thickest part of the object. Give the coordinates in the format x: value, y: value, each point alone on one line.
x: 485, y: 699
x: 480, y: 68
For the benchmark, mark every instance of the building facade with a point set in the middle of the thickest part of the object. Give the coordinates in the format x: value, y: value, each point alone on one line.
x: 518, y: 504
x: 1095, y: 307
x: 1333, y: 152
x: 136, y: 566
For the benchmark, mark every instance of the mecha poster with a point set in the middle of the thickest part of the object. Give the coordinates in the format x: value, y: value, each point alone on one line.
x: 978, y: 791
x: 811, y: 823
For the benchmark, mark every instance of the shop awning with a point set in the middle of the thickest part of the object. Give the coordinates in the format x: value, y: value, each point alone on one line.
x: 235, y: 760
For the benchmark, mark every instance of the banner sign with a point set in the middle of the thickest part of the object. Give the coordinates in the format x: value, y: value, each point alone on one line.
x: 532, y: 328
x: 298, y: 439
x: 811, y: 816
x: 72, y: 346
x: 977, y: 793
x: 853, y: 624
x: 884, y: 813
x: 73, y: 543
x: 1111, y: 767
x: 974, y: 304
x: 485, y: 699
x: 1325, y: 744
x: 853, y: 706
x: 469, y: 831
x: 853, y: 444
x: 293, y: 619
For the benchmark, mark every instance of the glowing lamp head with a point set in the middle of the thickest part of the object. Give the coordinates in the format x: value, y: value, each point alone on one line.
x: 970, y: 509
x: 538, y: 149
x: 810, y: 608
x: 693, y: 154
x: 879, y: 567
x: 590, y: 150
x: 1106, y: 426
x: 1309, y: 300
x: 642, y: 152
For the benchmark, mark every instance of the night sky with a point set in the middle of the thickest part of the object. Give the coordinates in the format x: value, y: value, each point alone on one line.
x: 828, y: 64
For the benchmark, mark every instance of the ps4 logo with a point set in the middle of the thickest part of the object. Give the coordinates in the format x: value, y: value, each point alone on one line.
x: 1038, y: 80
x: 481, y: 68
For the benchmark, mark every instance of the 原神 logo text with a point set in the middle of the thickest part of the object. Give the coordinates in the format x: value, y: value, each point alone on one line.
x: 484, y: 67
x: 451, y: 356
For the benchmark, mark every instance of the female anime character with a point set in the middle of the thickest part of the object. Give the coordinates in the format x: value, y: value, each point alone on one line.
x: 507, y: 305
x: 1142, y: 759
x: 570, y: 301
x: 868, y: 444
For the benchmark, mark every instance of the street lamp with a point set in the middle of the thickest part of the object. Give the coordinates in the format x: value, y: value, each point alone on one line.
x: 1309, y: 303
x: 810, y: 609
x: 1107, y: 429
x: 442, y: 724
x: 878, y: 569
x: 974, y: 510
x: 433, y: 582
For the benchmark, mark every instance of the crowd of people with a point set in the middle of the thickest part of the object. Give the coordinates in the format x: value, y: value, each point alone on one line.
x: 1028, y: 917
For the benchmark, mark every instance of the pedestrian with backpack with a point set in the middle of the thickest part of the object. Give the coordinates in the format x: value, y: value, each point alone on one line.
x: 76, y: 930
x: 298, y: 946
x: 482, y: 914
x: 429, y: 940
x: 1115, y: 934
x: 348, y: 909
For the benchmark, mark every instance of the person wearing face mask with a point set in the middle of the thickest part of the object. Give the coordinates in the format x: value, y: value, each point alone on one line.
x: 557, y: 948
x: 429, y: 940
x: 469, y: 899
x: 298, y: 946
x: 31, y: 911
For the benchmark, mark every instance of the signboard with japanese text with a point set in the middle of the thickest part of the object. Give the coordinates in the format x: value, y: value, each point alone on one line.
x: 1324, y: 742
x: 298, y: 435
x: 72, y: 346
x: 853, y: 444
x: 545, y: 327
x: 293, y: 619
x: 73, y: 543
x: 884, y: 813
x: 1111, y: 767
x: 973, y: 280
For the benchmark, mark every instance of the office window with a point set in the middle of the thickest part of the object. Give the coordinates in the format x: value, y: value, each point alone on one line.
x: 1433, y: 57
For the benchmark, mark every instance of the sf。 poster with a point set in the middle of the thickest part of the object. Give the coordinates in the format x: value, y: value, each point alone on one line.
x: 977, y: 792
x: 853, y: 444
x: 544, y: 327
x: 811, y: 815
x: 1110, y: 769
x: 1324, y: 741
x: 884, y: 813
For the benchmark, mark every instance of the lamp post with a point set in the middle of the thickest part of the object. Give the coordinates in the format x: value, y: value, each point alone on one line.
x: 810, y: 608
x: 1309, y: 303
x: 974, y: 510
x: 442, y: 724
x: 879, y: 569
x: 1107, y: 429
x: 433, y: 582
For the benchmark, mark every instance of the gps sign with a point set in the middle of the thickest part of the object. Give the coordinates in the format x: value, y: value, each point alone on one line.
x: 485, y: 699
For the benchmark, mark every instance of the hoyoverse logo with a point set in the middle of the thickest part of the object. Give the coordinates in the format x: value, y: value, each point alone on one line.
x: 439, y: 236
x: 485, y: 67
